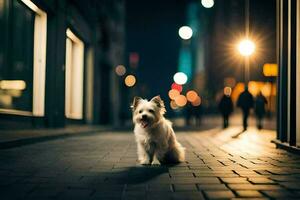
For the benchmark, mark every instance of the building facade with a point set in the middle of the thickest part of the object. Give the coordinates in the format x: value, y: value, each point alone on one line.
x: 56, y: 62
x: 288, y: 21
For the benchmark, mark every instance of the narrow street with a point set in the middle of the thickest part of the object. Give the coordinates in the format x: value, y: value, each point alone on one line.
x: 77, y: 75
x: 103, y: 166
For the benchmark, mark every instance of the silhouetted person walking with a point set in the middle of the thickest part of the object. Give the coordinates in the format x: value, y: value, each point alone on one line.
x: 260, y: 102
x: 245, y: 102
x: 226, y: 108
x: 192, y: 112
x: 188, y: 114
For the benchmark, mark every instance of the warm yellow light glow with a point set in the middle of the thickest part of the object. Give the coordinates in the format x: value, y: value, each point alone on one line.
x: 180, y: 78
x: 180, y: 100
x: 173, y: 105
x: 246, y: 47
x: 12, y: 85
x: 74, y: 76
x: 6, y: 100
x: 39, y: 63
x: 207, y: 3
x: 254, y: 87
x: 72, y: 36
x: 191, y: 96
x: 31, y: 5
x: 237, y: 90
x: 270, y: 69
x: 14, y: 93
x: 173, y: 94
x: 197, y: 102
x: 274, y: 89
x: 185, y: 32
x: 130, y: 81
x: 120, y: 70
x: 227, y: 91
x: 266, y: 89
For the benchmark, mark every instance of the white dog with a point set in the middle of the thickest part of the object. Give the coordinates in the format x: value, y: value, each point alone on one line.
x: 156, y: 140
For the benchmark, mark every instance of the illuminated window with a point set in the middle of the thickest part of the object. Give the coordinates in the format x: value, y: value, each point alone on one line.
x: 23, y: 60
x: 74, y: 76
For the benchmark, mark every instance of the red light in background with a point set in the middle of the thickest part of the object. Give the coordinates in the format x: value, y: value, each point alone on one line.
x: 177, y: 87
x: 134, y: 59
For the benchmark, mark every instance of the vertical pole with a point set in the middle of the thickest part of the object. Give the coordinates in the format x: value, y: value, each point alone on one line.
x: 247, y: 18
x: 247, y: 61
x: 278, y: 58
x: 247, y: 69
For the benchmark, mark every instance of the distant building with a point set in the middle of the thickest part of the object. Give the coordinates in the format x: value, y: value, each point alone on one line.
x: 57, y: 60
x: 288, y: 119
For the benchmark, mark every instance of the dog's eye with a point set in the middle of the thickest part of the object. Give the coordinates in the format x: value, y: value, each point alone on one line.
x: 140, y: 111
x: 152, y: 111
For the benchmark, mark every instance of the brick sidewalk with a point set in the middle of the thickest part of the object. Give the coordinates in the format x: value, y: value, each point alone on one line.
x: 103, y: 166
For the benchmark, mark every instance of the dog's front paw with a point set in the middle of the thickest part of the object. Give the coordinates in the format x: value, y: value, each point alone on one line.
x: 145, y: 162
x: 155, y: 162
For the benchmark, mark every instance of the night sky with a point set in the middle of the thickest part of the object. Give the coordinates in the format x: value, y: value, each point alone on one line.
x: 152, y: 31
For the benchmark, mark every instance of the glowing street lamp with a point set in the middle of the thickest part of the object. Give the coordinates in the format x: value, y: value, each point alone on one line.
x: 185, y: 32
x: 207, y: 3
x: 180, y: 78
x: 246, y: 47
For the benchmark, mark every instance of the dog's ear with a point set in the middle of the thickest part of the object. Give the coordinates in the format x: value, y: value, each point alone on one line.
x: 159, y: 103
x: 135, y: 103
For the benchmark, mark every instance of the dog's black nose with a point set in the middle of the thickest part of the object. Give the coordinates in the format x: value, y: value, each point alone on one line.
x: 144, y: 116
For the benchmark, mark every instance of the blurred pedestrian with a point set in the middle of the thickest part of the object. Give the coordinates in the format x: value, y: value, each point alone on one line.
x: 226, y: 108
x: 260, y: 102
x: 188, y: 114
x: 193, y: 115
x: 245, y: 102
x: 198, y: 114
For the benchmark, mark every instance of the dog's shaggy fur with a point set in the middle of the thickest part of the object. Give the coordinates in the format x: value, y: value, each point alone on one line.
x: 156, y: 140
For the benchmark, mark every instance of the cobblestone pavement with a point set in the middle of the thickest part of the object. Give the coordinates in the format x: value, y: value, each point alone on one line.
x: 103, y: 166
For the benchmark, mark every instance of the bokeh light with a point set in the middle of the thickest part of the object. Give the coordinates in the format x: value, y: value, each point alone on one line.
x: 237, y: 90
x: 266, y: 89
x: 12, y: 85
x: 246, y: 47
x: 191, y: 96
x: 176, y: 86
x: 227, y: 91
x: 270, y: 69
x: 197, y: 102
x: 130, y: 80
x: 180, y: 78
x: 207, y: 3
x: 173, y: 94
x: 230, y: 81
x: 254, y: 87
x: 173, y: 105
x: 185, y: 32
x: 120, y: 70
x: 180, y: 100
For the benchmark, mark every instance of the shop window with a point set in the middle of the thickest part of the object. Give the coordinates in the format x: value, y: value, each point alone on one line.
x: 74, y: 76
x: 22, y: 57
